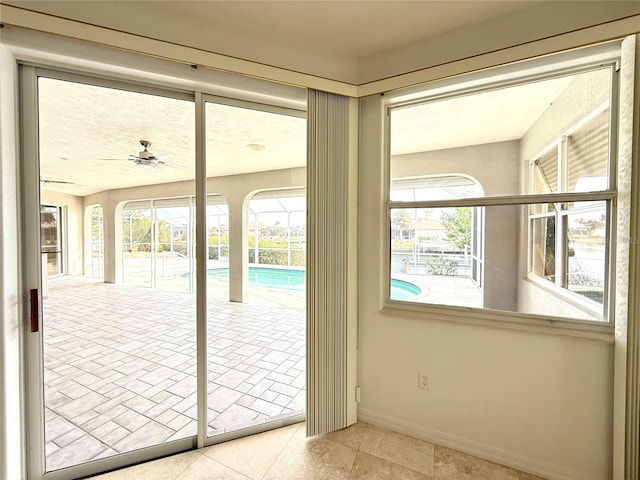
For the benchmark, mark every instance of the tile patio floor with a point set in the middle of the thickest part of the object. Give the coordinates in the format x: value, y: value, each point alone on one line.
x: 120, y: 372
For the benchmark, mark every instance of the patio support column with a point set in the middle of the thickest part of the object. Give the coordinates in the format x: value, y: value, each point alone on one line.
x: 112, y: 234
x: 238, y: 246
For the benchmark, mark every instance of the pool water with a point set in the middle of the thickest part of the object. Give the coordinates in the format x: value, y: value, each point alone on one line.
x: 266, y: 277
x: 401, y: 290
x: 293, y: 280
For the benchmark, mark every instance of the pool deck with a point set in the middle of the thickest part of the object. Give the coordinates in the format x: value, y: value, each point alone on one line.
x: 120, y: 371
x: 443, y: 290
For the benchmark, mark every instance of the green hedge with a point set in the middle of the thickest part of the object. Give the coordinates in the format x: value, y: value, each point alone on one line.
x: 277, y: 257
x: 442, y: 266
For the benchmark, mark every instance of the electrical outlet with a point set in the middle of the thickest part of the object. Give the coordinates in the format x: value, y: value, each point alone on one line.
x: 424, y: 380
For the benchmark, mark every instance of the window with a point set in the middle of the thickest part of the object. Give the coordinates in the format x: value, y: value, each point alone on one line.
x: 436, y: 241
x: 502, y: 198
x: 51, y: 233
x: 568, y: 240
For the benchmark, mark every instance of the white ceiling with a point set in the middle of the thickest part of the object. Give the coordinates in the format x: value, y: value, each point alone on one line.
x: 357, y: 29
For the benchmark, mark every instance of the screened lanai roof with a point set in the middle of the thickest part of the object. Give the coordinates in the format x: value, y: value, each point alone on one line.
x: 277, y: 205
x: 440, y: 187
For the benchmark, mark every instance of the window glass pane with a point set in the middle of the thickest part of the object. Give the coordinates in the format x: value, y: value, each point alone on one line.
x: 217, y: 246
x: 431, y: 256
x: 588, y: 156
x: 586, y: 252
x: 486, y: 137
x: 136, y: 245
x: 543, y: 247
x: 544, y: 137
x: 545, y: 173
x: 471, y: 257
x: 542, y: 208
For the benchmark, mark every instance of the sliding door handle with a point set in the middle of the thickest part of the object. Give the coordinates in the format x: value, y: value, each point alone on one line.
x: 35, y: 310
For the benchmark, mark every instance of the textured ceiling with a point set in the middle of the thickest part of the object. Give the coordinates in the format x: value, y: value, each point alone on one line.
x: 87, y: 134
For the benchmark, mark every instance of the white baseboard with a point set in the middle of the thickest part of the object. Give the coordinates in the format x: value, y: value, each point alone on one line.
x: 470, y: 447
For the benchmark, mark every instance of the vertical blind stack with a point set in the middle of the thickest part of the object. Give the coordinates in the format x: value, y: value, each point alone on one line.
x: 327, y: 191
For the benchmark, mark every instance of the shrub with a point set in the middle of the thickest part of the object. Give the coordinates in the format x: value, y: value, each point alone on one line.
x: 442, y: 266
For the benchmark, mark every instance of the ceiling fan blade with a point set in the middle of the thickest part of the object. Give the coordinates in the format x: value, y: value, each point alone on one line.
x: 57, y: 182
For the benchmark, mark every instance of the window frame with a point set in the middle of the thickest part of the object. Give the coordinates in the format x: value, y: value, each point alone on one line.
x: 569, y: 63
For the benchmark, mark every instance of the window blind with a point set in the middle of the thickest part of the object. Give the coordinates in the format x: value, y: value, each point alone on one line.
x: 588, y: 156
x: 327, y: 190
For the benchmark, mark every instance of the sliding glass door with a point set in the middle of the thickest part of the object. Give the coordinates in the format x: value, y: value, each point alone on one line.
x: 256, y: 335
x: 118, y: 368
x: 113, y: 360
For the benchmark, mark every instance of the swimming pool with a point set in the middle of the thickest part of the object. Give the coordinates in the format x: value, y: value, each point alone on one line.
x: 402, y: 290
x: 293, y: 280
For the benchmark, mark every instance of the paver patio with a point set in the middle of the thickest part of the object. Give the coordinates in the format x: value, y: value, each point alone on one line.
x: 120, y: 367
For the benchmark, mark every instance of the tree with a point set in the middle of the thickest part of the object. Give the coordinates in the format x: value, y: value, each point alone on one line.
x: 589, y: 225
x: 401, y: 220
x: 458, y: 226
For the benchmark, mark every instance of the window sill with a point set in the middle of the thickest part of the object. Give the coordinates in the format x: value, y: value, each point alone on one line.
x: 573, y: 299
x: 506, y: 320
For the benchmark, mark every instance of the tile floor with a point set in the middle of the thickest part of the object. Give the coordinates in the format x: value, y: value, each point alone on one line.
x: 120, y: 373
x: 361, y: 451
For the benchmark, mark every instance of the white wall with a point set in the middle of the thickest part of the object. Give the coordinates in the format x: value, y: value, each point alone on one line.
x: 11, y: 434
x: 539, y: 402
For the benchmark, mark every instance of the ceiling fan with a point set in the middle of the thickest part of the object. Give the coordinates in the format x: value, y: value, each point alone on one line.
x: 147, y: 159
